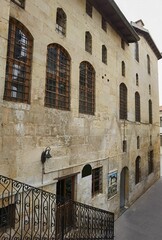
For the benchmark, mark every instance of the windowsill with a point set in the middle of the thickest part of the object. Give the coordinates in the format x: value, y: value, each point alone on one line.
x: 16, y: 105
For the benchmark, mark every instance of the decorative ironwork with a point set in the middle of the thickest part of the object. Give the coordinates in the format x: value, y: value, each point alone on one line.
x: 29, y: 213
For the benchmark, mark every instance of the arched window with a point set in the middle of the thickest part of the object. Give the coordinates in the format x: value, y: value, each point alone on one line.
x: 57, y: 93
x: 88, y: 42
x: 150, y: 162
x: 19, y: 62
x: 123, y: 68
x: 137, y: 51
x: 87, y: 88
x: 148, y: 64
x: 61, y: 21
x: 123, y: 101
x: 87, y: 170
x: 138, y: 142
x: 137, y: 107
x: 138, y: 170
x: 104, y: 54
x: 150, y: 111
x: 137, y: 80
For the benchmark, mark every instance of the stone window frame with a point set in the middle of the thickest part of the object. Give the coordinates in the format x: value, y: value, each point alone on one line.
x: 137, y: 107
x: 19, y: 63
x: 61, y: 20
x: 88, y: 42
x: 86, y: 88
x: 57, y: 90
x: 104, y: 54
x: 97, y: 175
x: 20, y: 3
x: 123, y: 101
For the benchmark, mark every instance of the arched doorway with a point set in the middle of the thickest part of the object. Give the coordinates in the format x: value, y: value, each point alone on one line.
x: 124, y: 186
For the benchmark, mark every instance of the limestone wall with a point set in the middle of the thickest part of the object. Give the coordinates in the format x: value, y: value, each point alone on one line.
x: 76, y: 139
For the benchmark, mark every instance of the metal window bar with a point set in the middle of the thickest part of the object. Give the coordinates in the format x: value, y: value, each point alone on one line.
x: 57, y: 78
x: 87, y: 89
x: 19, y: 60
x: 36, y: 215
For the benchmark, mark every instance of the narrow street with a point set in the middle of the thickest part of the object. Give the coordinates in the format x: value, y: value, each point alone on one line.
x: 143, y: 220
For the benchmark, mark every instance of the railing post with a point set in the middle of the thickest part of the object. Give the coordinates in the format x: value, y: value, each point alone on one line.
x: 62, y: 227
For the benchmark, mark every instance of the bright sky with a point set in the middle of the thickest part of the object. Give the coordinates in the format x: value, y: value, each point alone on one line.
x: 150, y: 11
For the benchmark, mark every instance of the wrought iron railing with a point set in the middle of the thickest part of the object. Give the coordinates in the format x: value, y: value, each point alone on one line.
x: 29, y: 213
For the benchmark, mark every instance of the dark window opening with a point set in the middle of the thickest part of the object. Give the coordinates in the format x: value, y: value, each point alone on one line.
x: 137, y: 80
x: 123, y: 101
x: 137, y: 107
x: 137, y: 51
x: 138, y: 142
x: 124, y: 146
x: 123, y: 68
x: 148, y: 65
x: 104, y: 54
x: 150, y: 89
x: 7, y: 216
x: 150, y: 111
x: 96, y: 181
x: 88, y: 42
x: 138, y: 170
x: 65, y: 189
x: 122, y: 44
x: 87, y: 170
x: 89, y: 8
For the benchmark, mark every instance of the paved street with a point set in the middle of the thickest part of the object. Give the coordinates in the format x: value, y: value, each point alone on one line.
x: 143, y: 220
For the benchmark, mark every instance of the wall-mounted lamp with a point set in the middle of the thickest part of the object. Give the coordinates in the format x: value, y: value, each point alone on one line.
x: 45, y: 154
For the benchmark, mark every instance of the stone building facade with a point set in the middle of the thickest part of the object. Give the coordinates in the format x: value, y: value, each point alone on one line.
x: 160, y: 114
x: 79, y: 83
